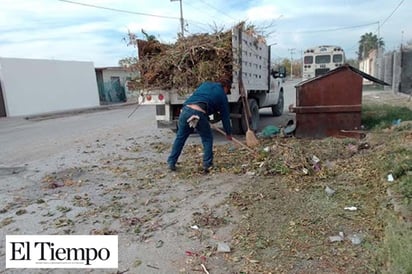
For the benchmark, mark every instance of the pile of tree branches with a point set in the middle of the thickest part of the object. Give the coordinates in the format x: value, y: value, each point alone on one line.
x: 182, y: 66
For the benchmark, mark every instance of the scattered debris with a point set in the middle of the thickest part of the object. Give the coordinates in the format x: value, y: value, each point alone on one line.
x: 363, y: 146
x: 159, y: 243
x: 337, y: 238
x: 351, y: 208
x: 223, y: 247
x: 121, y: 272
x: 397, y: 122
x: 290, y: 128
x: 356, y: 239
x: 204, y: 268
x: 329, y: 191
x: 269, y: 131
x: 21, y: 212
x: 208, y: 219
x: 152, y: 266
x: 195, y: 254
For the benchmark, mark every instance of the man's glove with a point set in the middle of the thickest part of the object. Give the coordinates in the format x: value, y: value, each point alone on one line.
x: 192, y: 121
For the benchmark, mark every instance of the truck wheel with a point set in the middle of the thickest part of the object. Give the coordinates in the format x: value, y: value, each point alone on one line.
x: 237, y: 122
x: 277, y: 109
x: 254, y: 110
x: 254, y: 121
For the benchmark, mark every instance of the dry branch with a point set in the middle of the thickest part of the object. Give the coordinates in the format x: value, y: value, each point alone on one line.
x: 182, y: 66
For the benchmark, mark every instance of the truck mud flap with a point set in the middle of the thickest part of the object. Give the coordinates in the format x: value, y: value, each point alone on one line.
x: 160, y: 110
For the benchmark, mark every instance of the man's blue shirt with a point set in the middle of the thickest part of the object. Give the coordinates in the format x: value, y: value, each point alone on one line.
x: 213, y: 95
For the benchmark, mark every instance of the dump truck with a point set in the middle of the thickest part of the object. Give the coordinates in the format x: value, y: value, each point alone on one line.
x: 251, y: 64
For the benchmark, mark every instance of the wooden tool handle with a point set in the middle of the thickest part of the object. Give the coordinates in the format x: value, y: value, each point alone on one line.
x: 233, y: 139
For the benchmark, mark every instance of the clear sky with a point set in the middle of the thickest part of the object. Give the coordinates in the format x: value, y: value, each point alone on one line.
x: 94, y: 30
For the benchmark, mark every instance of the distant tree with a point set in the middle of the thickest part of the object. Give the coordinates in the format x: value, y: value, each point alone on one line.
x: 296, y: 66
x: 367, y: 43
x: 286, y: 63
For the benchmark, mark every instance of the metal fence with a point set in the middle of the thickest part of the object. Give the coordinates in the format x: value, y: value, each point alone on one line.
x: 395, y: 68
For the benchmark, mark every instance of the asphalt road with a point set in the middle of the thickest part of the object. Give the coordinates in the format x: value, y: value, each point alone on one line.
x: 266, y: 117
x: 24, y: 140
x: 35, y: 139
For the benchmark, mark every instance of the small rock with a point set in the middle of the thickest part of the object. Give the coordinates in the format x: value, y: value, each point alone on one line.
x: 329, y: 191
x: 223, y: 247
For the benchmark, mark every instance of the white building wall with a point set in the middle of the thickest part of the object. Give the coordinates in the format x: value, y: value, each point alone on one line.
x: 107, y: 74
x: 32, y: 86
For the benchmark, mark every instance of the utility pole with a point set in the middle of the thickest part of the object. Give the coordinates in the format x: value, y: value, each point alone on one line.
x: 292, y: 51
x: 182, y: 21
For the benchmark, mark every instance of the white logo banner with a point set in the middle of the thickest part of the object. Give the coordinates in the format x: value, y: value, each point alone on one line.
x: 61, y: 251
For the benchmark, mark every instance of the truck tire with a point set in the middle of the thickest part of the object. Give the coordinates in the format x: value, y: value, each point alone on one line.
x: 237, y: 122
x: 254, y: 120
x: 277, y: 110
x: 254, y: 110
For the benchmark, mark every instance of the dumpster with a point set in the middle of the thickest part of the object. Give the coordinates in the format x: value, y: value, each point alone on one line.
x: 331, y: 104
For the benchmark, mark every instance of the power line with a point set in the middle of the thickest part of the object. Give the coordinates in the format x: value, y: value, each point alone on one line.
x: 336, y: 29
x: 384, y: 21
x: 120, y: 10
x: 129, y: 12
x: 219, y: 10
x: 390, y: 15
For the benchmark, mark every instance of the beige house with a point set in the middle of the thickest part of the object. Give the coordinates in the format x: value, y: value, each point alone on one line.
x: 368, y: 65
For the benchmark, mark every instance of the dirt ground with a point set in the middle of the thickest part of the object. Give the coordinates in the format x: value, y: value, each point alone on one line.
x: 275, y: 211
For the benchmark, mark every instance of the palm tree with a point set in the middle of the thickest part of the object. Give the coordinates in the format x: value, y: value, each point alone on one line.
x: 367, y: 43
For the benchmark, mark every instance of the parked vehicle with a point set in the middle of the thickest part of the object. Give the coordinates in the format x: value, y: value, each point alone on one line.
x: 251, y: 62
x: 321, y: 59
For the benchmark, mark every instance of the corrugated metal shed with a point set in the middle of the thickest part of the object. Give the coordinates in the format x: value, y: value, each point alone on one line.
x: 331, y: 104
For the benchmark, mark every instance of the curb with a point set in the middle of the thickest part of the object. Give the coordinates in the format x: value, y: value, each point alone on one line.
x: 58, y: 114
